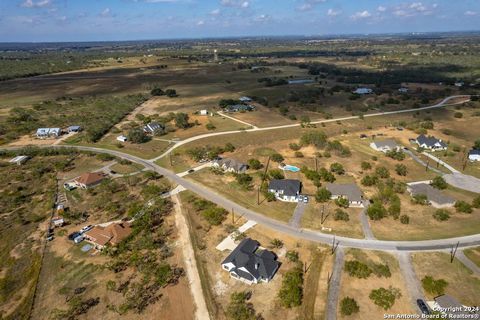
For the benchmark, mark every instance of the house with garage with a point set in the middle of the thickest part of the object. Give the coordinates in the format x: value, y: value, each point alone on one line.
x: 154, y: 128
x: 287, y: 190
x: 435, y: 197
x: 385, y: 145
x: 89, y: 180
x: 474, y: 155
x: 230, y: 165
x: 112, y: 234
x: 19, y: 160
x: 44, y: 133
x: 430, y: 143
x: 250, y: 264
x: 349, y: 191
x: 363, y: 91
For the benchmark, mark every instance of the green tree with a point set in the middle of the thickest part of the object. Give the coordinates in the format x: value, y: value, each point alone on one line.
x: 434, y: 287
x: 214, y: 215
x: 385, y: 298
x: 341, y: 215
x: 382, y: 172
x: 439, y: 183
x: 315, y: 138
x: 376, y: 211
x: 348, y: 306
x: 239, y: 308
x: 369, y: 181
x: 229, y: 147
x: 276, y: 157
x: 401, y: 169
x: 291, y: 291
x: 254, y: 164
x: 441, y: 215
x: 404, y: 219
x: 136, y: 135
x: 157, y: 92
x: 476, y: 145
x: 210, y: 126
x: 366, y: 165
x: 181, y: 120
x: 244, y: 180
x: 463, y: 206
x: 342, y: 202
x: 357, y: 269
x: 476, y: 202
x: 323, y: 195
x: 276, y: 174
x: 337, y: 168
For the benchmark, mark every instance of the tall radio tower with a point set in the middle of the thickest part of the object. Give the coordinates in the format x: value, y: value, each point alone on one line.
x: 215, y: 55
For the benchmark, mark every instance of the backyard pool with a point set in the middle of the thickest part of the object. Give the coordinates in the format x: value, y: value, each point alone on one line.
x: 289, y: 168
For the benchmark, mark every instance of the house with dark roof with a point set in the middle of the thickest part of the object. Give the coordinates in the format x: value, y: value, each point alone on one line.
x: 349, y: 191
x: 451, y: 308
x: 74, y: 129
x: 285, y: 189
x: 245, y: 99
x: 250, y: 264
x: 435, y: 197
x: 474, y: 155
x: 154, y: 128
x: 89, y: 179
x: 430, y: 143
x: 230, y: 165
x: 385, y: 145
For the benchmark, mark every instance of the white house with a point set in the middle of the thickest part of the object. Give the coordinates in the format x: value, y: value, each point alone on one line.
x: 122, y: 138
x: 248, y: 263
x: 363, y: 91
x: 230, y: 165
x: 385, y: 145
x: 245, y: 99
x: 459, y: 84
x: 286, y: 190
x: 474, y: 155
x: 431, y: 143
x: 203, y: 112
x: 19, y: 160
x: 153, y: 128
x: 43, y: 133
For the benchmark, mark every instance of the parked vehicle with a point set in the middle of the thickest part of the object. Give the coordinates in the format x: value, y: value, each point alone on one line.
x: 50, y: 238
x: 69, y: 186
x: 305, y: 199
x: 86, y: 228
x: 73, y: 235
x: 191, y: 171
x: 300, y: 198
x: 423, y: 306
x: 78, y: 239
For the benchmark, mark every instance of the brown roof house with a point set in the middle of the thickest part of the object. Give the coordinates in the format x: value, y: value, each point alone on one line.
x: 112, y: 234
x: 89, y: 179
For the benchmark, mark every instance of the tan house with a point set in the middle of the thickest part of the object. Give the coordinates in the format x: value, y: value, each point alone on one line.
x: 89, y: 180
x: 112, y: 234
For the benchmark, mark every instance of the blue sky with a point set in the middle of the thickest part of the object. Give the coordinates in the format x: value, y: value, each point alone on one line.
x: 82, y: 20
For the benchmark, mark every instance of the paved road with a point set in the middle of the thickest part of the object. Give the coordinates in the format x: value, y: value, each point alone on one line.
x: 463, y: 181
x: 282, y: 227
x: 297, y: 215
x: 414, y: 286
x: 237, y: 120
x: 443, y: 163
x: 467, y: 262
x: 421, y: 162
x: 334, y: 285
x: 367, y: 230
x: 441, y: 104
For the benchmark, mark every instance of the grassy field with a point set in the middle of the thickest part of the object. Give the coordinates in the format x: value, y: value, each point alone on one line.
x: 228, y: 187
x: 462, y: 284
x: 359, y: 289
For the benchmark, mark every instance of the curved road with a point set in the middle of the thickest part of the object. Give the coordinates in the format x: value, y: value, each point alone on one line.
x: 372, y: 244
x: 442, y: 103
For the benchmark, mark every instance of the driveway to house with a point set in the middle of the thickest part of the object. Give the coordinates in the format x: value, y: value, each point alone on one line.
x: 237, y: 120
x: 282, y: 227
x: 443, y: 163
x: 463, y: 181
x: 297, y: 214
x: 467, y: 262
x: 367, y: 230
x: 414, y: 286
x: 334, y: 285
x: 441, y: 104
x: 421, y: 162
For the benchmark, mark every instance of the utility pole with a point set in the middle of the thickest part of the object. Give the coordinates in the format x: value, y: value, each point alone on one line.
x: 258, y: 195
x: 428, y: 162
x: 453, y: 252
x: 233, y: 217
x: 316, y: 164
x: 170, y: 158
x: 334, y: 245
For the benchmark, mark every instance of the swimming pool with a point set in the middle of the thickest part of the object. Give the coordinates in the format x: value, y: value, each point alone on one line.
x: 290, y: 168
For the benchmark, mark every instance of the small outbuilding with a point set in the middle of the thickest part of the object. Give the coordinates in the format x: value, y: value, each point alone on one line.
x: 363, y: 91
x: 122, y: 138
x: 474, y: 155
x: 74, y: 129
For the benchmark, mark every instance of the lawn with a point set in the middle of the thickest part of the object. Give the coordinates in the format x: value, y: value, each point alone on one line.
x: 462, y: 284
x: 228, y: 187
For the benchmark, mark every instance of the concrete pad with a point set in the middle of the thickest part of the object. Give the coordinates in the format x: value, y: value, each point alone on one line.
x: 229, y: 243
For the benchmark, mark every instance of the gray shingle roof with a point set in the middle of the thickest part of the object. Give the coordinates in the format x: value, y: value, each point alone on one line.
x: 259, y: 263
x: 433, y: 195
x: 392, y: 144
x: 232, y: 164
x: 430, y: 141
x: 475, y: 152
x: 290, y: 187
x: 348, y: 190
x: 153, y: 126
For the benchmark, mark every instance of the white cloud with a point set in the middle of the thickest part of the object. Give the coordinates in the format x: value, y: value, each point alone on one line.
x: 470, y: 13
x: 200, y: 23
x: 262, y: 18
x: 215, y: 12
x: 333, y: 13
x: 105, y: 12
x: 308, y: 5
x: 381, y: 9
x: 414, y: 9
x: 361, y: 15
x: 235, y: 3
x: 35, y: 4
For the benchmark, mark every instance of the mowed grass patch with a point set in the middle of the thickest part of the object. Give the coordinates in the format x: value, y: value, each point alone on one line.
x: 359, y: 289
x: 228, y: 187
x: 462, y: 284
